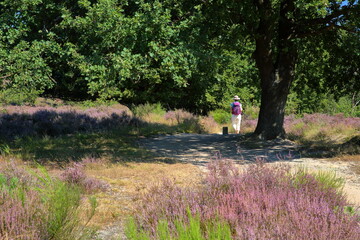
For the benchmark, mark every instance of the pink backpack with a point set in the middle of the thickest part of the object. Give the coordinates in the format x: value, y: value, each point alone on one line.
x: 236, y: 109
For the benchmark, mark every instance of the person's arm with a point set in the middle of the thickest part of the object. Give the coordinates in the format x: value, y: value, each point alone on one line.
x: 231, y: 106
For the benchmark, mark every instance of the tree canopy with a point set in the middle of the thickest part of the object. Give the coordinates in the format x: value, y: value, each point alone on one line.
x: 184, y: 54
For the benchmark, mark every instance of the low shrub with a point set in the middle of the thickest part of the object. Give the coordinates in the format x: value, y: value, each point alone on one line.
x: 37, y: 206
x: 221, y: 116
x: 143, y: 110
x: 18, y: 121
x: 75, y: 175
x: 18, y: 96
x: 262, y: 202
x: 179, y: 116
x: 321, y: 128
x: 209, y: 124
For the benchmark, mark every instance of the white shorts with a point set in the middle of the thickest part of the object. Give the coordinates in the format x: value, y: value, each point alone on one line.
x: 236, y: 121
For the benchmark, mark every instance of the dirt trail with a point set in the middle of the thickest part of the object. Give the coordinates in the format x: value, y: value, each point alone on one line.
x: 199, y: 149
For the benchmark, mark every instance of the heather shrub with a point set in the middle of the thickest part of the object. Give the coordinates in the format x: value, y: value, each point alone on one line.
x: 37, y: 206
x: 248, y: 125
x: 209, y: 125
x: 261, y: 202
x: 75, y: 175
x: 321, y: 128
x: 18, y: 121
x: 179, y: 116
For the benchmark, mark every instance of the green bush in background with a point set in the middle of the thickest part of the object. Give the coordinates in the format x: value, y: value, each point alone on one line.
x: 18, y: 96
x: 221, y: 116
x: 145, y: 109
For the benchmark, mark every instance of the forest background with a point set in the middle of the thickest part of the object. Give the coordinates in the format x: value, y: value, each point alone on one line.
x: 182, y: 54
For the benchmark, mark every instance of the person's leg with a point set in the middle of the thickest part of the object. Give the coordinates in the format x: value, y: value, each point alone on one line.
x: 235, y: 123
x: 238, y: 123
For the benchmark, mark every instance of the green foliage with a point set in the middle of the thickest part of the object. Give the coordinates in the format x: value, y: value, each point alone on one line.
x: 62, y: 203
x: 4, y: 149
x: 327, y: 179
x: 164, y: 51
x: 15, y: 96
x: 221, y: 116
x: 189, y: 229
x: 142, y: 110
x: 344, y: 105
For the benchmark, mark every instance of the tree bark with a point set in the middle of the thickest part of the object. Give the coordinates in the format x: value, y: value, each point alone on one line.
x: 275, y: 85
x: 275, y: 57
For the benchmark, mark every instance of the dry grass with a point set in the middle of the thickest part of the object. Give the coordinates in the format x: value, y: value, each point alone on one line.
x: 353, y: 159
x: 129, y: 180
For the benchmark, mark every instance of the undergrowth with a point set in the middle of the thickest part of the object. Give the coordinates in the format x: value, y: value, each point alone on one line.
x: 36, y: 205
x: 262, y: 202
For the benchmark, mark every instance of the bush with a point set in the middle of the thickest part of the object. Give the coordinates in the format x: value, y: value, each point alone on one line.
x: 16, y: 121
x: 143, y: 110
x: 322, y: 128
x: 37, y: 206
x: 263, y: 202
x: 221, y: 116
x: 18, y: 97
x: 75, y: 175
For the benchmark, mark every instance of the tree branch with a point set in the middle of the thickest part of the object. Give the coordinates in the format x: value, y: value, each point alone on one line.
x: 307, y: 27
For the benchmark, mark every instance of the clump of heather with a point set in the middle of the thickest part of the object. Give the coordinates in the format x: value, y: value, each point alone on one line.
x: 261, y: 202
x: 209, y: 124
x: 322, y: 127
x: 21, y: 121
x: 21, y: 210
x: 75, y: 175
x: 35, y: 205
x: 179, y: 116
x: 248, y: 125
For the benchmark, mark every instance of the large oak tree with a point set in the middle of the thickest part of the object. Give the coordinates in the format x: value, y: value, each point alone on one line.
x: 278, y: 28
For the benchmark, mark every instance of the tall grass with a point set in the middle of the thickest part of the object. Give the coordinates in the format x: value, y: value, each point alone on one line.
x: 35, y: 205
x: 191, y: 228
x: 262, y: 202
x: 322, y: 128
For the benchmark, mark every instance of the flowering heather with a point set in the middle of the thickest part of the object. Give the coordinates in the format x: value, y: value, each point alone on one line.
x: 42, y: 208
x: 209, y: 124
x: 262, y: 202
x: 20, y: 121
x: 178, y: 116
x: 20, y: 215
x: 75, y: 174
x: 322, y: 127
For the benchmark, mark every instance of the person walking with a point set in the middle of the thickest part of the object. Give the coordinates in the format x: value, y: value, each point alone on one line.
x: 236, y: 111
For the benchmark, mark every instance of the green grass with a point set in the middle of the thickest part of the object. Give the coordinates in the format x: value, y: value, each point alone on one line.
x: 55, y: 212
x: 190, y: 229
x: 327, y: 179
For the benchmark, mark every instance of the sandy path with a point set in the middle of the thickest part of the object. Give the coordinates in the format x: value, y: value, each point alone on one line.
x: 201, y: 148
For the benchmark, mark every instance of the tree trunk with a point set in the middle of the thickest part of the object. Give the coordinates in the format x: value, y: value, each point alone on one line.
x: 275, y: 57
x: 275, y: 85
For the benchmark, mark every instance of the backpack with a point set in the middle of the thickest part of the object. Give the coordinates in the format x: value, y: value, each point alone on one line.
x: 236, y: 109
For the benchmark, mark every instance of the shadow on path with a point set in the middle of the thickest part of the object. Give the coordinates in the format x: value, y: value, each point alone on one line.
x: 201, y: 148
